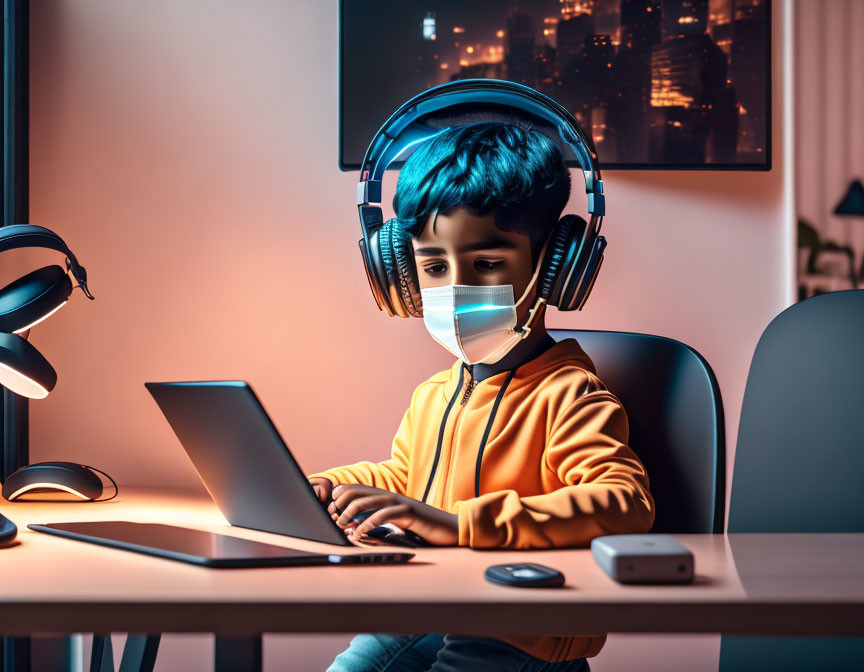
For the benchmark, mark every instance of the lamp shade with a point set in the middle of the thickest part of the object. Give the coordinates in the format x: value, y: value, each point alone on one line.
x: 853, y: 201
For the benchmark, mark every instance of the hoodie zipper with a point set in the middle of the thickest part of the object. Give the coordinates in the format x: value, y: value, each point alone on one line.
x: 468, y: 390
x: 441, y: 483
x: 441, y: 434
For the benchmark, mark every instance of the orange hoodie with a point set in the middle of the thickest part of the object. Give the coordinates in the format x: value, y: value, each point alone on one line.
x: 555, y: 471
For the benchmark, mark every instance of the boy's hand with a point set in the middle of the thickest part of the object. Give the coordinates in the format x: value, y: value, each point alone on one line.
x: 322, y: 487
x: 434, y: 525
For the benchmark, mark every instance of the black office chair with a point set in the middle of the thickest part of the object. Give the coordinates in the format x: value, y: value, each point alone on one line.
x: 803, y: 403
x: 676, y: 422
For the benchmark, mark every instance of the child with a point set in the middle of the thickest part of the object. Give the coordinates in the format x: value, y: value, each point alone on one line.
x: 478, y: 203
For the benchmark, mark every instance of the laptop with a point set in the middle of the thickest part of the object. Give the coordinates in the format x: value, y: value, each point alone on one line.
x: 240, y: 456
x: 251, y: 476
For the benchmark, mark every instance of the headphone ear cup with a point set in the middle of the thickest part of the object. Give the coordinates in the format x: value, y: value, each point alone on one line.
x: 591, y: 272
x: 23, y: 369
x: 403, y: 256
x: 400, y: 277
x: 559, y: 240
x: 578, y: 278
x: 32, y: 297
x: 374, y: 268
x: 567, y: 251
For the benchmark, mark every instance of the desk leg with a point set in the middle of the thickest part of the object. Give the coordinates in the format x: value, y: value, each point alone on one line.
x: 139, y: 654
x: 102, y: 655
x: 238, y: 653
x: 16, y: 654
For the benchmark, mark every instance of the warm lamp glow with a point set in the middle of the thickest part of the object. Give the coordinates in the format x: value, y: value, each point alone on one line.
x: 50, y: 486
x: 44, y: 317
x: 21, y: 384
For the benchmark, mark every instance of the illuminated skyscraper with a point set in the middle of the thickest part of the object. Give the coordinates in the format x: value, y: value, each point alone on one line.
x: 750, y: 9
x: 429, y: 26
x: 573, y: 8
x: 572, y: 33
x: 631, y: 80
x: 684, y: 17
x: 585, y: 81
x: 427, y: 53
x: 519, y: 51
x: 719, y: 12
x: 690, y: 97
x: 544, y: 67
x: 749, y: 62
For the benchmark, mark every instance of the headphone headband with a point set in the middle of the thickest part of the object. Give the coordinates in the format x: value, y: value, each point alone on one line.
x: 27, y: 235
x: 402, y: 129
x: 435, y: 109
x: 419, y: 118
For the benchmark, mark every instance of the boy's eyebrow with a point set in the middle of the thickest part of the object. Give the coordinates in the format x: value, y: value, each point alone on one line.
x: 429, y: 251
x: 491, y: 244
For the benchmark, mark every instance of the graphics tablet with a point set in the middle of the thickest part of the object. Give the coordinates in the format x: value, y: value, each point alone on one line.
x: 205, y: 548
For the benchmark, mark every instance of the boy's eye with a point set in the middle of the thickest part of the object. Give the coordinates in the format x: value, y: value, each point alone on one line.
x: 487, y: 265
x: 435, y: 268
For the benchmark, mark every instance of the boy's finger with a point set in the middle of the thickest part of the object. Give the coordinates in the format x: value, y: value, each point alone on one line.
x: 378, y: 518
x: 350, y: 487
x: 342, y: 494
x: 358, y: 505
x: 348, y: 493
x: 395, y: 514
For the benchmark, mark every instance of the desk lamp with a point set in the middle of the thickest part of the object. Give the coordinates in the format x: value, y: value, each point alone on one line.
x: 852, y: 205
x: 28, y: 301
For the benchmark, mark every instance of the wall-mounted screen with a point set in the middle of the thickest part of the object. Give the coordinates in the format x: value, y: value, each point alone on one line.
x: 662, y: 84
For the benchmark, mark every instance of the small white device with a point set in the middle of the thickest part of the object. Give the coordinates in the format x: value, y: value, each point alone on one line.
x: 643, y: 558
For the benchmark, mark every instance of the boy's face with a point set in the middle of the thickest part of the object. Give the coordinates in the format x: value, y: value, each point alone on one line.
x: 464, y: 249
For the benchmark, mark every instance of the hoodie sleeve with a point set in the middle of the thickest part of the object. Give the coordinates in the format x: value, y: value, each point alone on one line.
x: 391, y: 474
x: 605, y: 487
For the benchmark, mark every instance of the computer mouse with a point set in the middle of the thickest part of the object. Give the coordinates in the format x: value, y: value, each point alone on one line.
x: 78, y: 480
x: 8, y: 531
x: 396, y: 536
x: 390, y: 533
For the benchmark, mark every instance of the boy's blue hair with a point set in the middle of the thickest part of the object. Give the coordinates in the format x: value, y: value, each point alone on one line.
x: 486, y: 167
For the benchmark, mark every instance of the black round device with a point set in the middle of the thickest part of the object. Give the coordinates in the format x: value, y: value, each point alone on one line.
x: 525, y: 575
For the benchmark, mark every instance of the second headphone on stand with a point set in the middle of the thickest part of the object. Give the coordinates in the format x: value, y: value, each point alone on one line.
x: 26, y: 302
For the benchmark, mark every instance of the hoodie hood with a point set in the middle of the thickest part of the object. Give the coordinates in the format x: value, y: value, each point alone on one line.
x: 564, y: 354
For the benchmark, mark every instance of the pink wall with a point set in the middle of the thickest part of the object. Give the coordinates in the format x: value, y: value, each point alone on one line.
x: 187, y: 150
x: 829, y: 98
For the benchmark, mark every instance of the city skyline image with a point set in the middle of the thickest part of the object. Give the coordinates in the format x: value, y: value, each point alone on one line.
x: 657, y: 83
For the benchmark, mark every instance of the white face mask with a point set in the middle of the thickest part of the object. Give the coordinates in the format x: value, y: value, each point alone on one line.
x: 474, y: 322
x: 477, y: 323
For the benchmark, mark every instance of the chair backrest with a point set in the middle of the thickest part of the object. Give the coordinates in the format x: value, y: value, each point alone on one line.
x: 800, y: 452
x: 799, y: 457
x: 676, y: 422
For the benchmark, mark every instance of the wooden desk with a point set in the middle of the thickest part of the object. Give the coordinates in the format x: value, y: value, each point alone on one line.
x: 747, y: 584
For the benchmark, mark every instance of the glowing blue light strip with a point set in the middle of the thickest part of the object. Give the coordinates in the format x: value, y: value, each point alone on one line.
x: 409, y: 145
x: 476, y: 308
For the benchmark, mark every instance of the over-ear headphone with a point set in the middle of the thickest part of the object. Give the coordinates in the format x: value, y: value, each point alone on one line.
x: 27, y: 301
x: 574, y: 251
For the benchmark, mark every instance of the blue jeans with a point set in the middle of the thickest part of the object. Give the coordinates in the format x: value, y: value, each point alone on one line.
x: 442, y: 653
